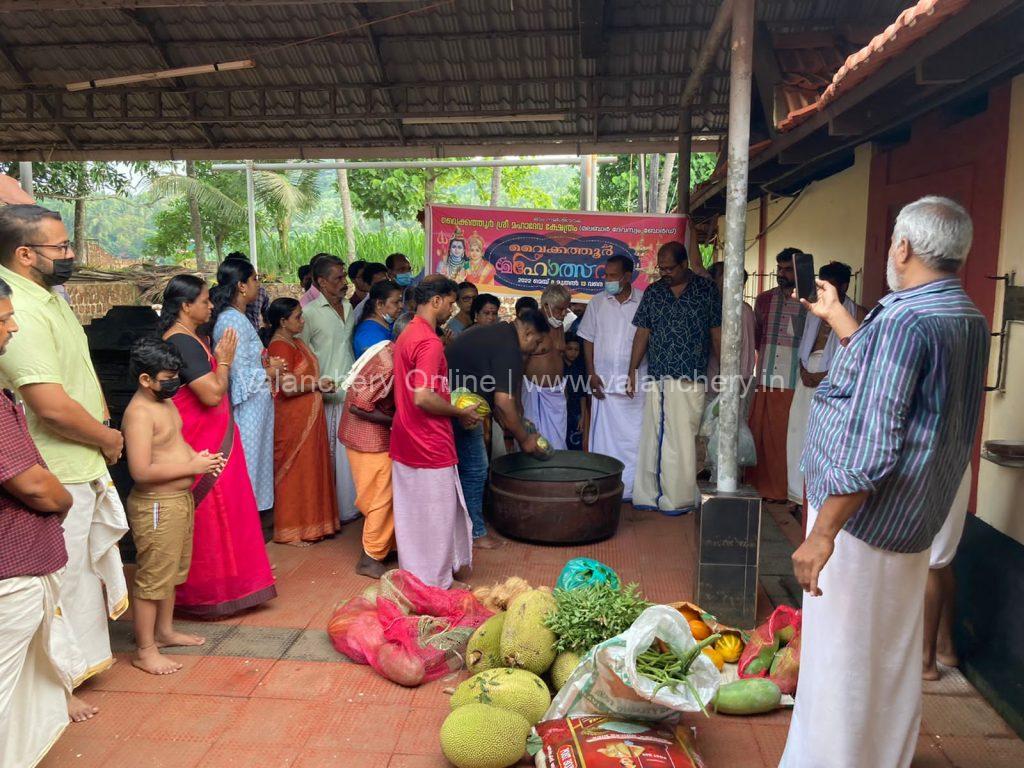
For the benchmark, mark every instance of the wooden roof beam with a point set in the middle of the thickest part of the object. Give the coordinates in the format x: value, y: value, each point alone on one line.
x: 374, y: 45
x: 44, y: 6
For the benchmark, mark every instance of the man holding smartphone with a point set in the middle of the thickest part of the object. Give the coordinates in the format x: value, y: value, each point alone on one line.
x: 890, y: 434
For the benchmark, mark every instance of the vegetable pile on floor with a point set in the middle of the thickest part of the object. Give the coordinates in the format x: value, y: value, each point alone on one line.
x: 589, y: 615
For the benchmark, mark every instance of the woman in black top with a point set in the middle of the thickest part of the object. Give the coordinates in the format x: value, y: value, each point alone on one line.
x: 229, y: 570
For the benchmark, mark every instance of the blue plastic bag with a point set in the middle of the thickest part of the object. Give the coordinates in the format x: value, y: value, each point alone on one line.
x: 584, y: 572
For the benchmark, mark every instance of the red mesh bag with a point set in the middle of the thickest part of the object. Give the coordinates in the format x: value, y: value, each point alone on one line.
x: 759, y: 653
x: 407, y: 631
x: 786, y: 667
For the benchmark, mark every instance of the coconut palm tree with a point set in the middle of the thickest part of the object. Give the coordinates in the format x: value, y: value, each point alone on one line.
x: 221, y: 201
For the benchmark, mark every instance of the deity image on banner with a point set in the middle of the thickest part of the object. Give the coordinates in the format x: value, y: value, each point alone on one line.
x: 480, y: 271
x: 454, y: 266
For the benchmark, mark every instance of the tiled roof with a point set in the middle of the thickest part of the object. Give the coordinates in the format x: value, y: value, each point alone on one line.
x: 910, y: 26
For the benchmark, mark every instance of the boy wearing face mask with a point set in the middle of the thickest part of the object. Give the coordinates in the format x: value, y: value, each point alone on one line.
x: 160, y: 507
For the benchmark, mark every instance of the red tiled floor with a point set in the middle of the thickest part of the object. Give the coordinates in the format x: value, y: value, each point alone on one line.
x: 158, y: 754
x: 360, y: 685
x: 124, y: 677
x: 282, y: 723
x: 771, y: 740
x: 358, y: 728
x: 336, y: 758
x: 419, y: 761
x: 193, y: 718
x: 221, y: 712
x: 303, y: 680
x: 75, y: 749
x: 420, y: 733
x: 953, y: 716
x: 253, y: 756
x: 225, y: 676
x: 978, y: 752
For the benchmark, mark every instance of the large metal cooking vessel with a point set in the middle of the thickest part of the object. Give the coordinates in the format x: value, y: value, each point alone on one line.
x: 573, y: 498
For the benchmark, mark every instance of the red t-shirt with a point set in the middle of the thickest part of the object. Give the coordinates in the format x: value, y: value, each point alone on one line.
x: 420, y: 439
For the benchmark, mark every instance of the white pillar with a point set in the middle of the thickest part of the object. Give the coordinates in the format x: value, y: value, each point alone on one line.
x: 250, y: 209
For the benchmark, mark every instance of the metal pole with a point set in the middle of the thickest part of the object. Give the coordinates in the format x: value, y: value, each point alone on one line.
x: 735, y: 236
x: 25, y: 174
x: 352, y: 165
x: 685, y: 151
x: 250, y: 209
x: 595, y: 164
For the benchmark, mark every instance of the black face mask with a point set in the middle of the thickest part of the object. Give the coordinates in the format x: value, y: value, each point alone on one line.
x: 168, y: 388
x: 62, y: 269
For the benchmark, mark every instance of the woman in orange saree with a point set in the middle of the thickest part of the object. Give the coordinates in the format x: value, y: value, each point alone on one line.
x: 306, y: 506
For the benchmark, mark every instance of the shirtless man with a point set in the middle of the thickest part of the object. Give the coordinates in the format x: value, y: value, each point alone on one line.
x: 160, y: 506
x: 544, y: 386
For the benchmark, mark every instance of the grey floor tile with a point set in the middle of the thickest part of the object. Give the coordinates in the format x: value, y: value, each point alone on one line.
x: 313, y: 645
x: 258, y: 642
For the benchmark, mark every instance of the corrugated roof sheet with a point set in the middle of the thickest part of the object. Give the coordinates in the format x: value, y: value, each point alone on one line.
x: 518, y: 56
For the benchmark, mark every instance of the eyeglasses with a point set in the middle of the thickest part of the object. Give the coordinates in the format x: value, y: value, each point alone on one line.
x: 64, y: 248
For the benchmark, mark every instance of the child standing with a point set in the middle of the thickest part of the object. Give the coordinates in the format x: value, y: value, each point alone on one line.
x: 577, y: 401
x: 160, y: 507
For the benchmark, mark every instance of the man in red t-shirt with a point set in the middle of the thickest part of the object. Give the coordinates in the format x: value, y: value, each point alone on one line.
x: 35, y: 684
x: 432, y: 526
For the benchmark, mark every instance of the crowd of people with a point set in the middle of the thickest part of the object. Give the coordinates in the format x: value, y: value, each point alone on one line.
x: 308, y: 413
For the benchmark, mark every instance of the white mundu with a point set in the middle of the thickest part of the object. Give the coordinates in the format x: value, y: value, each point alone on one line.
x: 856, y: 706
x: 615, y: 421
x: 39, y: 663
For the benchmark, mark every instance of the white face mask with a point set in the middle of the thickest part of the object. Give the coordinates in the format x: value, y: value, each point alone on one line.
x: 570, y: 318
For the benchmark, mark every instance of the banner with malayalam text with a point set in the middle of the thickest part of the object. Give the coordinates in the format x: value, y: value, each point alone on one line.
x: 518, y: 251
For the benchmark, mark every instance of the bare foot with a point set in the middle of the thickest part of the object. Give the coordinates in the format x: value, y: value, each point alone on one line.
x: 930, y: 673
x: 174, y: 638
x: 79, y: 711
x: 151, y: 660
x: 370, y: 568
x: 177, y: 638
x: 487, y: 541
x: 460, y: 585
x: 299, y: 544
x: 947, y: 659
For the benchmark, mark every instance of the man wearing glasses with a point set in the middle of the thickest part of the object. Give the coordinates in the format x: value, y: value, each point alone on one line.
x: 50, y: 370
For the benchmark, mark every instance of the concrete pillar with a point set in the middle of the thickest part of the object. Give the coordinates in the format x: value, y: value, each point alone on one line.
x: 735, y: 236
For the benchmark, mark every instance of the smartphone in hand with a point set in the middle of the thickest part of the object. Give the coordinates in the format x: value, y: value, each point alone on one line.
x: 803, y: 270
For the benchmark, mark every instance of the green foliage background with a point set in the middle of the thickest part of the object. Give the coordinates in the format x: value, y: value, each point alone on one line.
x: 139, y: 210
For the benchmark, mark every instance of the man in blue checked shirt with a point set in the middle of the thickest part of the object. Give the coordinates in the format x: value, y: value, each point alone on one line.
x: 889, y: 437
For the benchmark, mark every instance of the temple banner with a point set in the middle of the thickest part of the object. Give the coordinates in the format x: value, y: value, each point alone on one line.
x: 515, y: 251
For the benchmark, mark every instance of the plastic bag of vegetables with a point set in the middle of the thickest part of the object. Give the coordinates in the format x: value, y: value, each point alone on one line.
x: 622, y: 676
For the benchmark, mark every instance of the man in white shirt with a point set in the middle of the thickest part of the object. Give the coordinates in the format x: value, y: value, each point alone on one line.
x: 607, y: 331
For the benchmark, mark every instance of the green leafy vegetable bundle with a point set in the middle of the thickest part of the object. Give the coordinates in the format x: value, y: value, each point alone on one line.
x: 590, y: 615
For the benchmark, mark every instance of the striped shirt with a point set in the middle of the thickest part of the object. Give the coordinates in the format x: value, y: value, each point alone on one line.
x: 898, y: 413
x: 779, y: 326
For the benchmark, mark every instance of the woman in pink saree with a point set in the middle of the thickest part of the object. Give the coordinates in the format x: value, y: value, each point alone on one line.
x: 230, y: 571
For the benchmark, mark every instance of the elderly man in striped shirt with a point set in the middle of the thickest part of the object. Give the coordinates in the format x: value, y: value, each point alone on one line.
x: 890, y: 434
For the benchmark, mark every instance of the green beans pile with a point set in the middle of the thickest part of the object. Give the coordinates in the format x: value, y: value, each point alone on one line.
x: 671, y: 671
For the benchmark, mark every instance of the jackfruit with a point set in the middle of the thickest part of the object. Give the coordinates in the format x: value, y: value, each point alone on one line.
x: 525, y: 641
x: 513, y: 689
x: 565, y: 664
x: 484, y: 736
x: 484, y: 648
